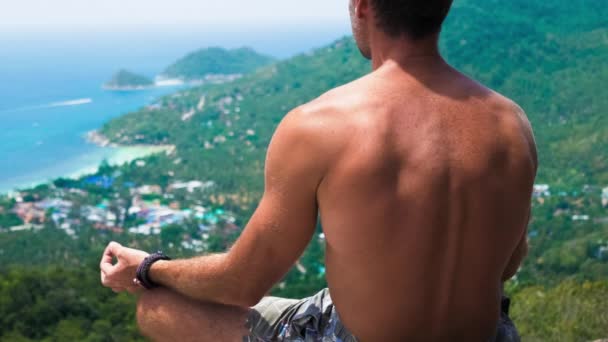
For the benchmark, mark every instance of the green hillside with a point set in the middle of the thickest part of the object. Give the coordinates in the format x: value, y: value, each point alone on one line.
x: 124, y: 79
x: 216, y: 61
x: 547, y: 59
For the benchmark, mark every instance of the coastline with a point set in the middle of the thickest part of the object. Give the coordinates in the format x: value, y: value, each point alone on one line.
x: 115, y: 154
x: 127, y: 88
x: 100, y: 140
x: 162, y: 81
x: 159, y: 82
x: 123, y: 154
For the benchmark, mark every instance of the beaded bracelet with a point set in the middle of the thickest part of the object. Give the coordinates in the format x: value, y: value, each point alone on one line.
x: 141, y: 276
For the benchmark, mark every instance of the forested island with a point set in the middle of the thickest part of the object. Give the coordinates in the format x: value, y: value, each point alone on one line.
x: 126, y: 80
x: 215, y: 62
x: 550, y: 57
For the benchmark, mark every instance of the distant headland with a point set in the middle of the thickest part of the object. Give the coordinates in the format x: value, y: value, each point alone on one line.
x: 205, y: 66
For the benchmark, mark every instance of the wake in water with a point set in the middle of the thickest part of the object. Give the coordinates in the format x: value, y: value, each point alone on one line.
x: 76, y: 102
x: 68, y: 103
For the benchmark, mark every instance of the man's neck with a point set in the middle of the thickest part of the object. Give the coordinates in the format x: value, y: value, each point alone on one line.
x: 403, y: 51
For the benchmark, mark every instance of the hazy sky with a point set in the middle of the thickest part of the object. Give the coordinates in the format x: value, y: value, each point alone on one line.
x: 139, y: 15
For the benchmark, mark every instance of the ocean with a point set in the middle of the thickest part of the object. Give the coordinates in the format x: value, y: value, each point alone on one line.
x: 44, y: 115
x: 51, y: 95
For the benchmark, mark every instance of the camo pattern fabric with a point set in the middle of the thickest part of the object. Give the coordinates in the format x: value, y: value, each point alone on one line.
x: 313, y: 319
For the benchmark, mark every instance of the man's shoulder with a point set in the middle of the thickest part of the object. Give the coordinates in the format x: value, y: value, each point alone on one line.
x: 510, y: 111
x: 472, y: 88
x: 497, y: 101
x: 505, y: 104
x: 328, y: 110
x: 514, y: 122
x: 493, y: 102
x: 321, y: 124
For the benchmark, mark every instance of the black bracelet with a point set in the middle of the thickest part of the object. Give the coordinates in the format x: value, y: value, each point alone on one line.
x: 142, y: 270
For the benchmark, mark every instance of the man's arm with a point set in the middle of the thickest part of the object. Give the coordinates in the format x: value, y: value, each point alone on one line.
x: 277, y: 233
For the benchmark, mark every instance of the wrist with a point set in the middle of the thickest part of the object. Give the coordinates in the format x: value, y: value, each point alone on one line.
x: 157, y: 270
x: 142, y: 276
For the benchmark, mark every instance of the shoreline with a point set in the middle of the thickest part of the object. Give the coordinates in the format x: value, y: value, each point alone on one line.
x: 100, y: 140
x: 163, y: 81
x: 159, y: 82
x: 127, y: 88
x: 82, y: 165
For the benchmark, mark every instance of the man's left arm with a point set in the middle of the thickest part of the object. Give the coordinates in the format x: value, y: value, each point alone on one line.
x: 276, y: 235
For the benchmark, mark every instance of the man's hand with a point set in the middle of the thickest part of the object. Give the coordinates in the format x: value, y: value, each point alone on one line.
x: 119, y: 277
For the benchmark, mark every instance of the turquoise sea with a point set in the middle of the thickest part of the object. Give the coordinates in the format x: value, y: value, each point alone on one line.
x: 50, y: 90
x: 45, y: 110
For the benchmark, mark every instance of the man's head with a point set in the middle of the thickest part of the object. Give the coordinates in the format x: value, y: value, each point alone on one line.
x: 411, y: 19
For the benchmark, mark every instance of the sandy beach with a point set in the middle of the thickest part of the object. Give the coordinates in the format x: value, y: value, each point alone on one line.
x: 82, y: 165
x: 120, y: 155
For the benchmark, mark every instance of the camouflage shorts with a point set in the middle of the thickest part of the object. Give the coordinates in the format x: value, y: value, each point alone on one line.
x: 315, y: 319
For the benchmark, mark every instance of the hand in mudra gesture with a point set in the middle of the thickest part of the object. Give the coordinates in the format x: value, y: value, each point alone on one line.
x: 119, y: 276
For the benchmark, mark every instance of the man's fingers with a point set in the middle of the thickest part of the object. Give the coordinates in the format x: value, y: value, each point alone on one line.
x: 106, y: 268
x: 108, y: 256
x: 111, y: 251
x: 105, y: 280
x: 114, y: 247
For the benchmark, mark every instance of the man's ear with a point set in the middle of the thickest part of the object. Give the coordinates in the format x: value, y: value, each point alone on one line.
x: 362, y: 9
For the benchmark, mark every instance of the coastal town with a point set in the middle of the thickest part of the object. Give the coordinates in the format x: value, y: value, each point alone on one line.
x: 149, y: 208
x: 146, y: 210
x: 112, y: 203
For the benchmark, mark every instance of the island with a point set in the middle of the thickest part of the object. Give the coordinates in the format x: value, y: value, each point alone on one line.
x: 215, y: 65
x: 126, y: 80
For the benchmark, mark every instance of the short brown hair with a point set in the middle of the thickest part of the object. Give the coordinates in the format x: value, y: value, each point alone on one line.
x: 414, y: 18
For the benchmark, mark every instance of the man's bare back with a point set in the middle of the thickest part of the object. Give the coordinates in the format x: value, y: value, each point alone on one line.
x: 422, y: 179
x: 425, y: 204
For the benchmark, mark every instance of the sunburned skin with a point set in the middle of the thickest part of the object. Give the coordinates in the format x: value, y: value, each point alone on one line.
x: 425, y: 204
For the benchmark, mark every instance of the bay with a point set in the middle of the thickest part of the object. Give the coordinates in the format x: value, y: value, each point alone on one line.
x: 51, y: 95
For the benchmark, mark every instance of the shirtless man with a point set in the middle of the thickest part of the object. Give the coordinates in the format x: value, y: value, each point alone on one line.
x: 422, y: 179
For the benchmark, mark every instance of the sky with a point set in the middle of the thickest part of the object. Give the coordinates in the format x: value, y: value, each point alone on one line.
x: 144, y: 15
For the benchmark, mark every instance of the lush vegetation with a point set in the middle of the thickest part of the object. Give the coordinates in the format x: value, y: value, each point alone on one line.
x: 548, y: 56
x: 124, y: 79
x: 60, y: 304
x: 571, y: 311
x: 216, y: 61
